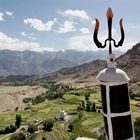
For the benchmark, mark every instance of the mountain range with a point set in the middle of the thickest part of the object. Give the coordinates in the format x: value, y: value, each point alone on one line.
x: 80, y: 75
x: 84, y: 75
x: 40, y: 63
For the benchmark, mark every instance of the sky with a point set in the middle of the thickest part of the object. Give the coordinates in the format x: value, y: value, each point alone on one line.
x: 53, y: 25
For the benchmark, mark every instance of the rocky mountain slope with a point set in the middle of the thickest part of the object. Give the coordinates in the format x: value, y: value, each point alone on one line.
x: 130, y: 63
x: 84, y: 75
x: 79, y: 76
x: 40, y: 63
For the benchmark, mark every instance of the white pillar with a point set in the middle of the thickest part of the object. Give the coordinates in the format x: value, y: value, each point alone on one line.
x: 116, y: 104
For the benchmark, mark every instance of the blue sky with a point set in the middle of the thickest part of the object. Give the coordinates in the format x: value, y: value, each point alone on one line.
x: 53, y: 25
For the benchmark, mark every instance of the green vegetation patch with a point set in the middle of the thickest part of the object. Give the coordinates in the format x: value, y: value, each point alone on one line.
x: 6, y: 119
x: 93, y: 120
x: 82, y: 123
x: 72, y: 101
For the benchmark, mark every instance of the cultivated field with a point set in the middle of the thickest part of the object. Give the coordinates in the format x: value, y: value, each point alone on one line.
x: 85, y: 123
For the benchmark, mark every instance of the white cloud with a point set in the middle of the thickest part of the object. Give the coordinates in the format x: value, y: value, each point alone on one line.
x: 1, y: 16
x: 85, y: 42
x: 8, y: 13
x: 23, y: 34
x: 77, y: 13
x: 82, y: 43
x: 31, y: 36
x: 5, y: 13
x: 84, y: 30
x: 16, y: 44
x: 66, y: 27
x: 39, y: 25
x: 93, y: 22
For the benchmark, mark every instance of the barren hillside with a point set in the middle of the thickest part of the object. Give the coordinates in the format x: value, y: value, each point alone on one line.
x: 84, y: 75
x: 12, y: 97
x: 79, y: 76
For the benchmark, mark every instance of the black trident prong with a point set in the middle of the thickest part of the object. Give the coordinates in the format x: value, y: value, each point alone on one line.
x: 95, y: 35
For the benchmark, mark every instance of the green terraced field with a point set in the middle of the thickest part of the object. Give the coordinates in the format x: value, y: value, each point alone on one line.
x: 83, y: 126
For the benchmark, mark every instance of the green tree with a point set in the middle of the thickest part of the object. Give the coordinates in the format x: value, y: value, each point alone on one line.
x: 18, y: 120
x: 94, y: 107
x: 38, y: 99
x: 32, y: 128
x: 80, y: 115
x: 48, y: 125
x: 73, y: 136
x: 83, y: 105
x: 102, y: 137
x: 87, y: 95
x: 54, y: 93
x: 9, y: 129
x: 18, y: 136
x: 137, y: 128
x: 88, y: 106
x: 70, y: 127
x: 43, y: 138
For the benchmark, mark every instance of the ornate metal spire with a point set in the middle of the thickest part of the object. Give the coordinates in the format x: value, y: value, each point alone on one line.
x: 109, y: 15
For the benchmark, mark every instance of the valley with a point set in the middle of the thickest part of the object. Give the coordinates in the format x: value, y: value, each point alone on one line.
x: 73, y: 91
x: 69, y: 70
x: 84, y: 122
x: 82, y: 105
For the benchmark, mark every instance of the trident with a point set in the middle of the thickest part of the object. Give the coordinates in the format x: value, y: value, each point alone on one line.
x: 114, y: 90
x: 95, y: 35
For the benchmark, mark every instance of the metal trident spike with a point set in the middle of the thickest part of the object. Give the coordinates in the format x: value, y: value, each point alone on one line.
x: 109, y: 15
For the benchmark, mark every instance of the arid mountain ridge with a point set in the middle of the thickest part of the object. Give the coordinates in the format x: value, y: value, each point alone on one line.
x: 84, y: 75
x: 40, y: 63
